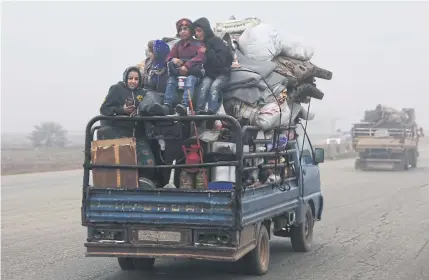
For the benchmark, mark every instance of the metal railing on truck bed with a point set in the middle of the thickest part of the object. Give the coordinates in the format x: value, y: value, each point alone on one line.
x: 387, y: 130
x: 382, y: 132
x: 244, y: 136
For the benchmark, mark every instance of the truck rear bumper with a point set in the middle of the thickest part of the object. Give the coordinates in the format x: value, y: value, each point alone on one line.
x: 230, y: 254
x: 379, y: 160
x: 390, y: 149
x: 377, y: 163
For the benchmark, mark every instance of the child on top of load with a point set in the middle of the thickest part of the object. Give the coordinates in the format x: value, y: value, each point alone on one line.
x: 186, y: 58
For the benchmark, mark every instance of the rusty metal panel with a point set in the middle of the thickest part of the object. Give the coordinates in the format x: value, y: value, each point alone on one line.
x: 209, y: 209
x: 114, y: 151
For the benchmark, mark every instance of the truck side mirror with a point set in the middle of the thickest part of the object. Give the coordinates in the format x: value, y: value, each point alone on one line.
x: 319, y: 155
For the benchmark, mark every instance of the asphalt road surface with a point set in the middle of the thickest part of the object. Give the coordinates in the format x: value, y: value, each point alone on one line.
x: 375, y: 226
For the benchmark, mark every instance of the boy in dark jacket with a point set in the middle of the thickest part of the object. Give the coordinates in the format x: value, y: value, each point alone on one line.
x: 217, y: 67
x: 186, y: 58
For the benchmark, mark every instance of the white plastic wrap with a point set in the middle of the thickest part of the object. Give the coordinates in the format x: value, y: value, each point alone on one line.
x: 268, y: 116
x: 293, y: 47
x: 261, y: 42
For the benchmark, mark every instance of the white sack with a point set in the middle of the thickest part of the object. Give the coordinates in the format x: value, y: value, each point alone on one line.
x: 293, y: 47
x: 261, y: 42
x: 268, y: 116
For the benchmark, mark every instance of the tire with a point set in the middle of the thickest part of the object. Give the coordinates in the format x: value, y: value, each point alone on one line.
x: 302, y: 235
x: 144, y: 263
x: 406, y: 161
x: 256, y: 262
x: 126, y: 263
x: 357, y: 165
x: 413, y: 160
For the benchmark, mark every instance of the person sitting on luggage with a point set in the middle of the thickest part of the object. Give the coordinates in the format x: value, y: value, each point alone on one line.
x: 155, y: 74
x: 217, y: 67
x: 122, y: 100
x: 186, y: 59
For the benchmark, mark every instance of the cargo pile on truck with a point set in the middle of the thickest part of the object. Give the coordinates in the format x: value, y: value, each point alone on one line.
x: 272, y: 75
x: 180, y: 190
x: 386, y: 138
x: 384, y: 115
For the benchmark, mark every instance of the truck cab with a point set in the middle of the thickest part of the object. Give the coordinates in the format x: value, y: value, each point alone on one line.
x: 265, y: 193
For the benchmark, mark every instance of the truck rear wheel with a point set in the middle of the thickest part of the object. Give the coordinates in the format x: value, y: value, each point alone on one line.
x: 144, y: 263
x: 302, y: 235
x: 126, y: 263
x: 406, y: 161
x: 357, y: 164
x: 256, y: 262
x: 413, y: 158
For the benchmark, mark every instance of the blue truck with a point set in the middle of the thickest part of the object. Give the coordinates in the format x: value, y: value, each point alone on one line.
x: 234, y: 224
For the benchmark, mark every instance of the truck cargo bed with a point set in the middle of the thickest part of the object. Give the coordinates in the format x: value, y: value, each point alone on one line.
x: 167, y: 207
x: 191, y: 208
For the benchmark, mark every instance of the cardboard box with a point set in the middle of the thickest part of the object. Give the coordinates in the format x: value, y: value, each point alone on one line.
x: 114, y: 151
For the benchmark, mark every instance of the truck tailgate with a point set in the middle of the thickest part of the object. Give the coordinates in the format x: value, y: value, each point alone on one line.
x: 152, y: 207
x: 362, y: 143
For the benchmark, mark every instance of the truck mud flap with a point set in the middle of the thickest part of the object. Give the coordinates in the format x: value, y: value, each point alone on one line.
x: 319, y: 213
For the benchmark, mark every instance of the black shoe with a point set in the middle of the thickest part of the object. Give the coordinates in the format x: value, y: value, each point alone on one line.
x: 167, y: 109
x: 211, y: 112
x: 156, y: 110
x: 181, y: 110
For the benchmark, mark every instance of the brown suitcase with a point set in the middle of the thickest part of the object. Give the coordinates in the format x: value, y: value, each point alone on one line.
x: 114, y: 151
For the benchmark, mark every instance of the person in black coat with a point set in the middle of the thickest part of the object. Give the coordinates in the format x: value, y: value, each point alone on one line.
x: 217, y: 67
x: 123, y: 99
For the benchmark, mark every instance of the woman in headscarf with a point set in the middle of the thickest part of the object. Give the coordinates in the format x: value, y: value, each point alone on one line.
x: 155, y: 73
x: 122, y: 99
x: 155, y: 76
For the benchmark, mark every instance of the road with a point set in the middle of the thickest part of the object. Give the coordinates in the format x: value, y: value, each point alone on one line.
x: 375, y: 226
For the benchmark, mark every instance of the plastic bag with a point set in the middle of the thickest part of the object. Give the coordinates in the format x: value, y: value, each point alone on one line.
x: 269, y: 117
x: 293, y: 47
x: 261, y: 42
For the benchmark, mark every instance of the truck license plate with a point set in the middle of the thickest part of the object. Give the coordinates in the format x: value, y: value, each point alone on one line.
x: 380, y: 165
x: 381, y: 133
x: 159, y: 236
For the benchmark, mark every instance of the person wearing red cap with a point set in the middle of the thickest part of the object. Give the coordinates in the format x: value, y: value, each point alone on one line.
x: 186, y: 58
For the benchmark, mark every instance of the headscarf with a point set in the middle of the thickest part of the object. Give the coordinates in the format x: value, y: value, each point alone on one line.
x: 160, y: 51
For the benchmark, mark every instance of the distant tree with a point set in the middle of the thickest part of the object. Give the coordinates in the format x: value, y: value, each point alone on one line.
x: 48, y: 134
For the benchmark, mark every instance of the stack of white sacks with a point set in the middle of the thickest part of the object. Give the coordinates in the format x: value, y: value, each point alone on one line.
x: 271, y: 76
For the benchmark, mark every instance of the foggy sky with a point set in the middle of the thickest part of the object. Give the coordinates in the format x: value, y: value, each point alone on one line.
x: 59, y: 59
